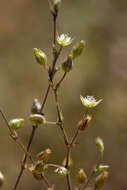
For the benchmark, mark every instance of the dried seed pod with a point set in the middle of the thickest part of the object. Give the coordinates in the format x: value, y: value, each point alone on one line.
x: 83, y: 124
x: 44, y: 155
x: 100, y: 180
x: 82, y: 177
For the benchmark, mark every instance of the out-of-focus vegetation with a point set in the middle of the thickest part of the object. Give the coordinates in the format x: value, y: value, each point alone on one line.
x: 101, y: 71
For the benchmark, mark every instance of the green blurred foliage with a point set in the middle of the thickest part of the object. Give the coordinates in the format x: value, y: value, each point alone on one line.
x: 101, y: 71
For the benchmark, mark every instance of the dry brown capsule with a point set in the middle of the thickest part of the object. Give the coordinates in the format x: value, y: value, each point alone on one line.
x: 82, y: 177
x: 44, y: 155
x: 83, y: 124
x: 100, y: 180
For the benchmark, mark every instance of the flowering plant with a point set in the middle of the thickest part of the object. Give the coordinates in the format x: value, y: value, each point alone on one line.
x: 40, y: 163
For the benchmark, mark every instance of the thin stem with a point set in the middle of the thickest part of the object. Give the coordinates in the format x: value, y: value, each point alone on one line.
x: 51, y: 78
x: 6, y: 121
x: 19, y: 143
x: 45, y: 98
x: 51, y: 75
x: 61, y: 80
x: 51, y: 123
x: 69, y: 184
x: 77, y: 131
x: 92, y: 173
x: 60, y: 119
x: 54, y: 35
x: 52, y: 165
x: 45, y: 180
x: 25, y: 158
x: 14, y: 136
x: 75, y: 136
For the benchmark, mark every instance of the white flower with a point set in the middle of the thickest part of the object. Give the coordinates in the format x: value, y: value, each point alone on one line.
x: 89, y: 101
x: 61, y: 170
x: 64, y: 40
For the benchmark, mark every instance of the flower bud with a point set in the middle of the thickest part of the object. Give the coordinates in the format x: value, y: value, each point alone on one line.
x: 83, y: 124
x: 82, y: 177
x: 40, y: 56
x: 67, y: 65
x: 99, y: 182
x: 37, y: 119
x: 57, y: 4
x: 1, y: 179
x: 36, y: 107
x: 100, y: 144
x: 44, y: 155
x: 77, y: 49
x: 16, y: 123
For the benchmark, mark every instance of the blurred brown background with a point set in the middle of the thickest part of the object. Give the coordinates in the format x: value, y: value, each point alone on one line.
x: 101, y: 71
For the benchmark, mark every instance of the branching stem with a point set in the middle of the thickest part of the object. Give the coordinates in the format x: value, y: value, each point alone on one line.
x: 25, y: 158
